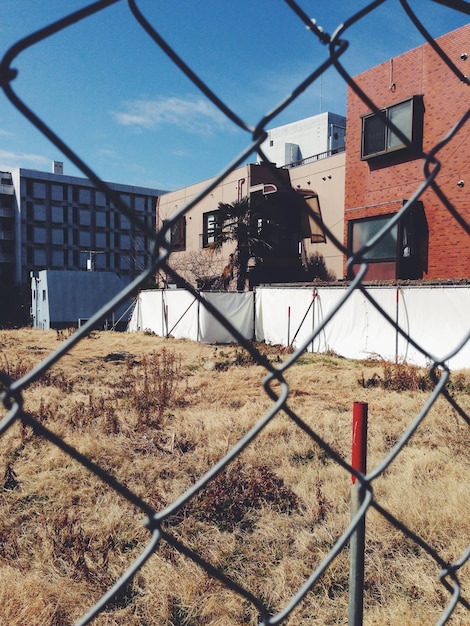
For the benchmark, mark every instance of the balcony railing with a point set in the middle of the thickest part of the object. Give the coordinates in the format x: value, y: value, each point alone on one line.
x: 315, y: 157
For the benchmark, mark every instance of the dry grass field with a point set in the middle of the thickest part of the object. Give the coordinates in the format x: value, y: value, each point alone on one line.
x: 157, y: 414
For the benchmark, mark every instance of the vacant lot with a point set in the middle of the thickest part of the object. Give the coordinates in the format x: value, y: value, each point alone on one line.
x: 156, y: 415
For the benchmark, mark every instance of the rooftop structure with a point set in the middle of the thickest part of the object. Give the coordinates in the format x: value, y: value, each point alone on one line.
x: 310, y: 138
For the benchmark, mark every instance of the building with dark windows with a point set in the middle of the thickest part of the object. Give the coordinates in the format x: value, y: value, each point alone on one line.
x: 424, y: 99
x: 283, y: 201
x: 57, y: 222
x: 53, y: 221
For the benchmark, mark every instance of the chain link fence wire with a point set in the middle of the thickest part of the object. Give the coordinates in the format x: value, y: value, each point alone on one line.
x: 275, y: 385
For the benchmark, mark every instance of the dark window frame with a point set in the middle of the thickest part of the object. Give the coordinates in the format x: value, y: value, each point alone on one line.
x: 408, y: 248
x: 178, y: 235
x: 370, y: 256
x: 378, y: 138
x: 211, y: 227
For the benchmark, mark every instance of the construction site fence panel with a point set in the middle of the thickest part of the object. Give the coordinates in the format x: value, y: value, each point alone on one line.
x: 436, y: 318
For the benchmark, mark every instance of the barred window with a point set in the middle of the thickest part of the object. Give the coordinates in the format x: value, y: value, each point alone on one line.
x: 210, y: 228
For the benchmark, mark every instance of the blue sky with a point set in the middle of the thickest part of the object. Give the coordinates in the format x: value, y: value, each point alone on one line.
x: 114, y: 97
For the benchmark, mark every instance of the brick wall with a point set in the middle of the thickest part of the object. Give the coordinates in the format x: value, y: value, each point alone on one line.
x: 378, y: 186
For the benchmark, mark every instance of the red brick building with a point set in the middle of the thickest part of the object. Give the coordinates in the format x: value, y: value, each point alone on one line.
x: 425, y: 99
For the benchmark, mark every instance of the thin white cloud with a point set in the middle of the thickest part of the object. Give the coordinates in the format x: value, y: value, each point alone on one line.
x: 12, y: 160
x: 108, y: 153
x: 180, y: 153
x: 5, y: 133
x: 193, y: 115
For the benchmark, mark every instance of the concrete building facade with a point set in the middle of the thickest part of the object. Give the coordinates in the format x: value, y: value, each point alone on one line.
x: 424, y: 98
x: 58, y: 222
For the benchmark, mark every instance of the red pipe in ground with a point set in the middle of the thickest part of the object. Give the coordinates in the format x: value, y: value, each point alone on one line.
x: 359, y: 438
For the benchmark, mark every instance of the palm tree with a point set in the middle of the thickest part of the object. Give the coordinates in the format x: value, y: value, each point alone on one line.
x: 237, y: 222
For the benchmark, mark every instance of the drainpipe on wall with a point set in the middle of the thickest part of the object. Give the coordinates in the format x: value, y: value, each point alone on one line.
x: 241, y: 182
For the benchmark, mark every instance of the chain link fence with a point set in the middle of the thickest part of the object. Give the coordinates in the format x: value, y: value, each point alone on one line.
x: 275, y: 384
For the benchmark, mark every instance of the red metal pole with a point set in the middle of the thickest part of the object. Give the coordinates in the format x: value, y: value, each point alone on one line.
x: 288, y: 326
x: 359, y: 438
x: 357, y: 542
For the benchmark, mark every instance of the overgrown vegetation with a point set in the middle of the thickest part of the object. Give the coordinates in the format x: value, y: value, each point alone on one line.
x: 153, y: 386
x: 233, y: 496
x: 404, y: 377
x: 157, y: 414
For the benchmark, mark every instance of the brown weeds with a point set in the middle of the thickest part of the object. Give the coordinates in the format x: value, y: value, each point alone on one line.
x: 157, y: 414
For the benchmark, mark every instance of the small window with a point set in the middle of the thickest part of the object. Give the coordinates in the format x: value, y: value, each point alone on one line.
x: 84, y: 196
x: 139, y: 203
x: 84, y: 238
x: 58, y: 258
x: 362, y: 231
x: 100, y: 198
x: 178, y: 235
x: 211, y: 228
x: 40, y: 235
x: 39, y: 212
x: 378, y: 138
x: 401, y: 253
x: 39, y: 190
x: 100, y: 219
x: 85, y: 217
x: 100, y: 240
x: 57, y: 214
x: 57, y: 236
x: 57, y: 193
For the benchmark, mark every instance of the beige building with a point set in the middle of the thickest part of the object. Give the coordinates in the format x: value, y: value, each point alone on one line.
x: 326, y: 176
x: 285, y: 198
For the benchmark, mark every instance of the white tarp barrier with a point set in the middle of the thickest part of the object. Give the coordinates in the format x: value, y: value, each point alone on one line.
x: 357, y: 329
x: 165, y: 312
x: 237, y: 308
x: 148, y: 313
x: 178, y: 313
x: 435, y: 317
x: 279, y: 314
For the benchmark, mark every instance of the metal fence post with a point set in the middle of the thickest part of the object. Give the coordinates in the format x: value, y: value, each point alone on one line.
x: 357, y: 542
x: 288, y: 326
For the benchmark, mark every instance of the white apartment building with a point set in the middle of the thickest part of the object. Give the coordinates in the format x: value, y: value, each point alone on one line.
x: 311, y: 138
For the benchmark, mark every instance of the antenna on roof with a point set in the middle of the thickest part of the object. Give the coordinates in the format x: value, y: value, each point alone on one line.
x: 321, y: 92
x: 90, y: 262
